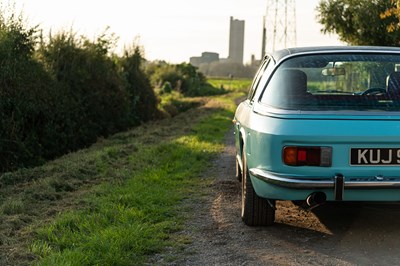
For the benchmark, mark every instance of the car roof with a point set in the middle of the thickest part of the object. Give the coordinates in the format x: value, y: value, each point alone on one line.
x: 280, y: 54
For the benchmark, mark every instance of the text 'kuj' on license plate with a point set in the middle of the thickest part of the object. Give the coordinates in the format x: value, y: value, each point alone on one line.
x: 374, y: 156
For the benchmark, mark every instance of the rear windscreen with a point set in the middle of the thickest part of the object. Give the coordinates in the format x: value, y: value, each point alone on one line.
x: 348, y: 81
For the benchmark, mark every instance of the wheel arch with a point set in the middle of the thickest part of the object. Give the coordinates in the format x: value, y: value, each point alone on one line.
x: 242, y: 141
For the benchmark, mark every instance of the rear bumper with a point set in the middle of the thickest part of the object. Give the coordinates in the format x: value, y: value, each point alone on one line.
x: 322, y: 183
x: 337, y: 183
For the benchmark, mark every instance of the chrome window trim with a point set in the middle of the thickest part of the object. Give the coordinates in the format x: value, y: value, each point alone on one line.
x: 267, y: 110
x: 334, y: 50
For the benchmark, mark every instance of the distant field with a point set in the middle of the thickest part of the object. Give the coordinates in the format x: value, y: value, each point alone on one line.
x: 241, y: 85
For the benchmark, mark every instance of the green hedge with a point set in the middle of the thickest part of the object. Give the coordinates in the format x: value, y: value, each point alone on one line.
x: 62, y: 93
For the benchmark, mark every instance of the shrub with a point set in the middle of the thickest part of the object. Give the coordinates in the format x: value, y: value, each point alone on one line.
x: 25, y: 95
x: 183, y: 78
x: 167, y: 87
x: 94, y: 100
x: 164, y: 72
x: 142, y: 99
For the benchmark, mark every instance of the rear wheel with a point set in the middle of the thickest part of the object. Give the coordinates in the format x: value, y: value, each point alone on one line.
x: 255, y: 210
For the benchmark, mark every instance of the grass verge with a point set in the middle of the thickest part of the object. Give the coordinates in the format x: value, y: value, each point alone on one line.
x: 144, y: 174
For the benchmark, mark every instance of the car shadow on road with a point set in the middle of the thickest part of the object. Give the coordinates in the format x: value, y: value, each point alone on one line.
x: 375, y: 218
x: 360, y: 233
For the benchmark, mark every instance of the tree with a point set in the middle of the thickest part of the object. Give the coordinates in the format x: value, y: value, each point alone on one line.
x: 359, y: 22
x: 393, y: 11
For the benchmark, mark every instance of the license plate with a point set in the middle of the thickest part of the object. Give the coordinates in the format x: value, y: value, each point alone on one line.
x: 375, y: 156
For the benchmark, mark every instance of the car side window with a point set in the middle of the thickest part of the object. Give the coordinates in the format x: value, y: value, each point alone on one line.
x: 257, y: 79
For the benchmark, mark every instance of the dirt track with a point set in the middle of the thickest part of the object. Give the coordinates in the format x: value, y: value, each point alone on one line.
x: 332, y: 234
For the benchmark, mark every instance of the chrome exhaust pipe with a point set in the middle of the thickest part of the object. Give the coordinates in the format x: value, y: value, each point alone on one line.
x: 316, y: 199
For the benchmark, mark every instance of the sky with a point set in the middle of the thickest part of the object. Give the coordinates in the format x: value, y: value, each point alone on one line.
x: 172, y: 30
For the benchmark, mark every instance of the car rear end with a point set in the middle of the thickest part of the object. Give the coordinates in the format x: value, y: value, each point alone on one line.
x: 351, y: 158
x: 328, y: 124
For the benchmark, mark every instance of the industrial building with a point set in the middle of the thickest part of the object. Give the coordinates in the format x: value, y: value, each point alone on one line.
x: 205, y: 58
x: 236, y: 47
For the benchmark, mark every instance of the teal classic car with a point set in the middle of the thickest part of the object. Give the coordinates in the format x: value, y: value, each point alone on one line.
x: 319, y: 124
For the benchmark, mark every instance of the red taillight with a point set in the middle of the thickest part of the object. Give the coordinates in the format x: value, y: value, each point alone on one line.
x: 307, y: 156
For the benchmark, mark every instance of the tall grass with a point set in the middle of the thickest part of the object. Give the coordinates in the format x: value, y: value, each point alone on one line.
x: 125, y: 223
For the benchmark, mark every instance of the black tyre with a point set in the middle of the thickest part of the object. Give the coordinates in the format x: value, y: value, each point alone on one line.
x: 255, y: 210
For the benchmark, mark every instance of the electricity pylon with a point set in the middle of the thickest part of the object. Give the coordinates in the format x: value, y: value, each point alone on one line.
x: 279, y: 25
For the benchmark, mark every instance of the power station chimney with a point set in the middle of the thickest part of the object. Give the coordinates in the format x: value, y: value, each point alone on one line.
x: 264, y: 39
x: 236, y: 41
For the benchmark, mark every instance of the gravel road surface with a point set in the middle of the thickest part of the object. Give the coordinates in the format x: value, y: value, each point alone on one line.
x: 332, y: 234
